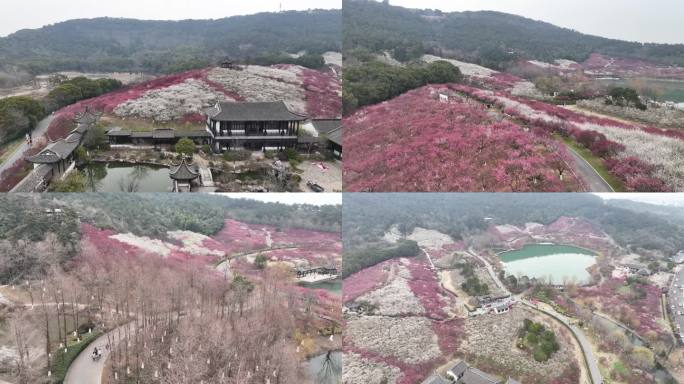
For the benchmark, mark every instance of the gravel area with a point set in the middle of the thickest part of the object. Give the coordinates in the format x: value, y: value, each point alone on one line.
x: 330, y: 178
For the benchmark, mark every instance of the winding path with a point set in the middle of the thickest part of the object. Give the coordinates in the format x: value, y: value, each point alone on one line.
x: 584, y: 343
x: 83, y: 370
x: 594, y: 181
x: 18, y: 153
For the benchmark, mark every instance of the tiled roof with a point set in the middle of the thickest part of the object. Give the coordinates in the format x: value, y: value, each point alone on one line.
x: 184, y: 171
x: 163, y: 133
x: 475, y: 376
x: 326, y: 125
x: 335, y: 136
x: 57, y: 151
x: 260, y: 111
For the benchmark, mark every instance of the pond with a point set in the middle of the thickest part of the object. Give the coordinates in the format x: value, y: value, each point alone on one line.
x: 544, y: 261
x: 669, y: 90
x: 334, y: 286
x: 125, y: 177
x: 326, y: 368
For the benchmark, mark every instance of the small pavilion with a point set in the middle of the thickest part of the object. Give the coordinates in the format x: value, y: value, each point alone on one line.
x: 183, y: 175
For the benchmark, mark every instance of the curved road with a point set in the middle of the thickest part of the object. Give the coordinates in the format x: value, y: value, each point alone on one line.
x: 40, y: 129
x: 594, y: 181
x: 584, y: 343
x: 83, y: 370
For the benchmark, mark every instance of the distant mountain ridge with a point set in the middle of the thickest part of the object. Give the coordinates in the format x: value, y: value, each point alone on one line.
x: 484, y: 37
x: 109, y: 44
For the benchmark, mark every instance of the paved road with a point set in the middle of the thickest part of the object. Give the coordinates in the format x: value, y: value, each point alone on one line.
x: 591, y: 361
x: 676, y: 298
x: 594, y: 181
x: 86, y: 371
x: 584, y: 343
x: 40, y: 129
x: 491, y: 271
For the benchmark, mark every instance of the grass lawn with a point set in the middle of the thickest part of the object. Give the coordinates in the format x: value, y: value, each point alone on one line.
x: 142, y: 125
x: 61, y: 360
x: 595, y: 162
x: 8, y: 148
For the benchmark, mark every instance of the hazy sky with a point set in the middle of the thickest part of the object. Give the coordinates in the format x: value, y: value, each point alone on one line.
x: 20, y: 14
x: 652, y: 198
x: 634, y: 20
x: 291, y: 198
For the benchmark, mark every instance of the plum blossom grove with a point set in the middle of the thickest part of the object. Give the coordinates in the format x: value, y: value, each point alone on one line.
x: 655, y: 156
x: 417, y: 143
x: 411, y: 308
x: 181, y: 97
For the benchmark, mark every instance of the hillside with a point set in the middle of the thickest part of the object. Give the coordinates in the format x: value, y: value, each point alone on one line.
x: 181, y: 97
x: 464, y: 214
x: 108, y: 44
x: 226, y: 265
x: 489, y: 38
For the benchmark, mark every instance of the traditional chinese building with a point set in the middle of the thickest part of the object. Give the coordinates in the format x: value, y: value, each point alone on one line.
x: 158, y: 138
x: 183, y: 176
x: 55, y: 160
x: 252, y: 126
x: 330, y: 133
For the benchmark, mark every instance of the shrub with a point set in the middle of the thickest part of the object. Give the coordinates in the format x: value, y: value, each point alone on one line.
x: 292, y: 155
x: 186, y: 146
x: 238, y: 155
x: 74, y: 182
x: 260, y: 261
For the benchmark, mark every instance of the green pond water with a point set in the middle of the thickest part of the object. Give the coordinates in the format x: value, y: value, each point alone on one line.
x: 124, y: 177
x: 669, y: 90
x: 334, y: 286
x: 544, y: 261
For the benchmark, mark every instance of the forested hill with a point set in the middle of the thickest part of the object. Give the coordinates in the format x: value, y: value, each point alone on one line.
x: 368, y: 216
x: 154, y: 214
x: 488, y: 38
x: 108, y: 44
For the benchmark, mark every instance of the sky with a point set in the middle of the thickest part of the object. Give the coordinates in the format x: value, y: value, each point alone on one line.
x: 652, y: 198
x: 291, y: 198
x: 657, y: 21
x: 15, y: 14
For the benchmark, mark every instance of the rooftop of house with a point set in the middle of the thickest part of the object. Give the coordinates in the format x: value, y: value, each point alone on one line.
x: 435, y: 379
x: 323, y: 126
x: 458, y: 368
x: 57, y: 151
x: 248, y: 111
x: 184, y: 171
x: 159, y: 133
x: 475, y: 376
x: 335, y: 136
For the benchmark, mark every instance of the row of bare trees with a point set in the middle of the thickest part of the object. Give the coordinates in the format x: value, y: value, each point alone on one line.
x: 165, y: 322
